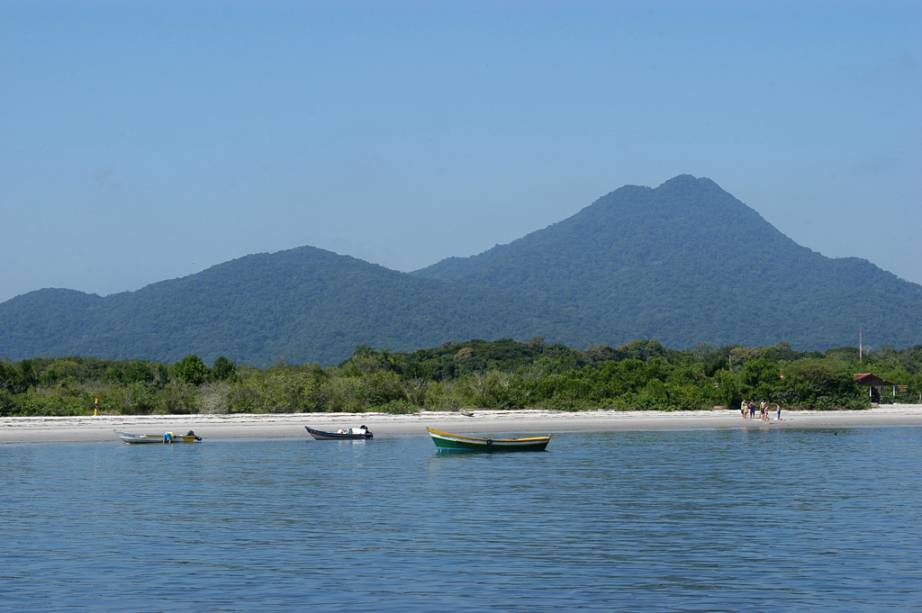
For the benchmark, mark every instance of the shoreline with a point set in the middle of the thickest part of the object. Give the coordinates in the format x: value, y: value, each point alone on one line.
x: 524, y: 421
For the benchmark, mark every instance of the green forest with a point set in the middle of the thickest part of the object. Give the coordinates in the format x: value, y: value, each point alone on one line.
x: 505, y: 374
x: 637, y: 263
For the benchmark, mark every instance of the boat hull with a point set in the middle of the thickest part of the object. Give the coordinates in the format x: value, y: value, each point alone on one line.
x: 320, y: 435
x: 155, y: 439
x: 447, y: 441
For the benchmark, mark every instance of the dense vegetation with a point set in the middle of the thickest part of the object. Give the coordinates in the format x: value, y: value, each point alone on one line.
x: 686, y: 263
x: 683, y: 263
x: 300, y: 305
x: 501, y: 374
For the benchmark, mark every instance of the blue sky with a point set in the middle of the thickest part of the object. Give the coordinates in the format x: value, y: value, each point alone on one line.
x: 141, y: 141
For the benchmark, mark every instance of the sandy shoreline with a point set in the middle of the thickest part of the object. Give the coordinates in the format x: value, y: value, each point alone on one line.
x: 82, y: 429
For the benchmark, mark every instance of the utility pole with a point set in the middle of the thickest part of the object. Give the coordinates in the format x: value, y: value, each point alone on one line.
x: 860, y: 345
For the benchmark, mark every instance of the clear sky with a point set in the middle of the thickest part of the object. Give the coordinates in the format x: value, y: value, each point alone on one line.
x: 141, y: 141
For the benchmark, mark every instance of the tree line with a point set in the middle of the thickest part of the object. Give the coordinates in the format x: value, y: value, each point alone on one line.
x: 502, y: 374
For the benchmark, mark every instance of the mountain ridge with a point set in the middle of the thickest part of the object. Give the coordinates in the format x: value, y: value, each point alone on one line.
x: 689, y: 243
x: 683, y: 263
x: 263, y: 308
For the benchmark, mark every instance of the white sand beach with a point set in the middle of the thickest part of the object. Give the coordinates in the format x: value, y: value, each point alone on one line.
x: 210, y: 427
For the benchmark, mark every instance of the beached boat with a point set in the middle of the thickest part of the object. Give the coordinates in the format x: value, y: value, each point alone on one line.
x: 165, y: 438
x: 446, y: 441
x: 352, y: 434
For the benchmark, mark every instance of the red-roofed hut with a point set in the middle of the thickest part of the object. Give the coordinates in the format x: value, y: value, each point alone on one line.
x: 874, y: 384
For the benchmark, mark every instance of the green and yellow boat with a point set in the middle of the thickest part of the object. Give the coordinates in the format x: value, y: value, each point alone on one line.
x: 446, y: 441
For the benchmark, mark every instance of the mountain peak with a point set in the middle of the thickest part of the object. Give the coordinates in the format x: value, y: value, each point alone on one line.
x: 682, y: 190
x: 682, y: 263
x: 687, y: 182
x: 687, y: 262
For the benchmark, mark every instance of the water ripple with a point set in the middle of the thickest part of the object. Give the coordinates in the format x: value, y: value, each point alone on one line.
x: 693, y: 521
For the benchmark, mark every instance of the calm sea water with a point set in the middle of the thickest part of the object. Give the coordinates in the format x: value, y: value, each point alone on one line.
x: 705, y: 520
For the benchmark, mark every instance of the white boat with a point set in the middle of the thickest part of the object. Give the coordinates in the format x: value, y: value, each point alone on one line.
x: 165, y: 438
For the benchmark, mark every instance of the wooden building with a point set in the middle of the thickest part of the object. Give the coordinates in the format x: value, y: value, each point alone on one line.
x: 875, y: 385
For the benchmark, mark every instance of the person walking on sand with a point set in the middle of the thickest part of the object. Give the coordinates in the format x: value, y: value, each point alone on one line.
x: 777, y: 411
x: 763, y: 411
x: 743, y: 406
x: 752, y: 409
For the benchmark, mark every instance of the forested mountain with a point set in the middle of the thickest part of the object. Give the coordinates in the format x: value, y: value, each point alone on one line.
x: 300, y: 305
x: 686, y: 263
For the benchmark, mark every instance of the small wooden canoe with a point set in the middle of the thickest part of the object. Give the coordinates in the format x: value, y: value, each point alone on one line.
x: 446, y: 441
x: 149, y: 439
x: 353, y: 434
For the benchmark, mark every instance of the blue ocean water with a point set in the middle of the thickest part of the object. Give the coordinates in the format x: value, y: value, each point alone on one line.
x: 700, y: 520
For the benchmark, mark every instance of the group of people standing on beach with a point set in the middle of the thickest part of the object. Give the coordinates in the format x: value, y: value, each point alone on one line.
x: 749, y: 407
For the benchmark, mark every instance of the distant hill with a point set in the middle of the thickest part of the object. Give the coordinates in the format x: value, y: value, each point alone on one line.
x: 301, y: 305
x: 684, y: 263
x: 687, y: 263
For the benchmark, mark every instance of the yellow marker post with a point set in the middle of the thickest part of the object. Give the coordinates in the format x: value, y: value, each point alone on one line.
x: 95, y: 406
